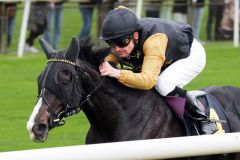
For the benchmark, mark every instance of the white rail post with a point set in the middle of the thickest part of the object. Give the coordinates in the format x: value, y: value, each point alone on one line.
x: 236, y: 24
x: 139, y: 8
x: 24, y: 28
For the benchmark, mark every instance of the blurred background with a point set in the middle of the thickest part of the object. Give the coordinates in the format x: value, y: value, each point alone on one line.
x: 58, y: 21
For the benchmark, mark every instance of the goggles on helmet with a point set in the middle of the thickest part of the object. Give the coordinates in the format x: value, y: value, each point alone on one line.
x: 121, y: 42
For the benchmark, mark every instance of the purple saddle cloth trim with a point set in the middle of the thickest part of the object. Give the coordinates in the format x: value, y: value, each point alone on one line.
x: 177, y: 104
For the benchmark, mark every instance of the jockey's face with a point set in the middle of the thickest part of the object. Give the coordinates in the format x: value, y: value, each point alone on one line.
x: 126, y: 50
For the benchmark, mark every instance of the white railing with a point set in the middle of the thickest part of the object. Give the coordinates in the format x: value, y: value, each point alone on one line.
x: 142, y: 149
x: 24, y: 28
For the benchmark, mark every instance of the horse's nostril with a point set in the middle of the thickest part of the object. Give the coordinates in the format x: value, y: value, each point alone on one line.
x: 39, y: 129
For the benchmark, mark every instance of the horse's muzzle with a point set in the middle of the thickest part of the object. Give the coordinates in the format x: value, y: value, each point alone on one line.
x: 40, y: 132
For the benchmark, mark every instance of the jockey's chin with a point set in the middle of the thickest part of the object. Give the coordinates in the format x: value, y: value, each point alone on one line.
x: 123, y: 52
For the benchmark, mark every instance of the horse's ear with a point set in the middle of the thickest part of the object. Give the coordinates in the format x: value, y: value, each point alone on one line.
x: 73, y: 50
x: 48, y: 50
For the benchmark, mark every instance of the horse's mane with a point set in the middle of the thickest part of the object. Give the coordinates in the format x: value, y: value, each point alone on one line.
x: 90, y: 53
x: 93, y: 56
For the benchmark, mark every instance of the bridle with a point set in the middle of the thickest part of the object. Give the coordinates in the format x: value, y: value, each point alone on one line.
x: 59, y: 119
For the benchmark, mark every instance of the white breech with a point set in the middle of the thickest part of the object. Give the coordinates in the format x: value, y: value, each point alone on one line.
x: 181, y: 72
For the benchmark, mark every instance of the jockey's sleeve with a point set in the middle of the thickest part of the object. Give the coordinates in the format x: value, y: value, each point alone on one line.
x: 154, y: 56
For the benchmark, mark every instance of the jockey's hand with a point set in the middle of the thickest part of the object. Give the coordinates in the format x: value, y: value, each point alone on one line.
x: 107, y: 70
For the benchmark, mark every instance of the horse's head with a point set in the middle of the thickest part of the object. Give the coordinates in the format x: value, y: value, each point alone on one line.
x: 57, y: 93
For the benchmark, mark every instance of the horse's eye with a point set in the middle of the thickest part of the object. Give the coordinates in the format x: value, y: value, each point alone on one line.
x: 64, y: 77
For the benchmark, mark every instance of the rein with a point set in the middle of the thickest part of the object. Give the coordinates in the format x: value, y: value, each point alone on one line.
x: 69, y: 110
x: 79, y: 108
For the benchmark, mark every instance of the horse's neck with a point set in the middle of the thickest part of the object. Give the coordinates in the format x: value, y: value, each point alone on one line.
x: 102, y: 110
x: 119, y: 113
x: 130, y: 115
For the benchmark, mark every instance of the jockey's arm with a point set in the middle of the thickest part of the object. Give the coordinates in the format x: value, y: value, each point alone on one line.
x: 154, y: 56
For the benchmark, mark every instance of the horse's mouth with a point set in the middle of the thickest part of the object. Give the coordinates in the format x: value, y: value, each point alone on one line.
x: 38, y: 133
x: 38, y: 138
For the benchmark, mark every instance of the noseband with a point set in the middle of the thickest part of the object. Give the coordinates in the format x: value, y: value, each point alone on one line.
x: 59, y: 119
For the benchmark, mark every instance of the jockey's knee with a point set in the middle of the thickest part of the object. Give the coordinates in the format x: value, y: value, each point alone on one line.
x: 163, y: 86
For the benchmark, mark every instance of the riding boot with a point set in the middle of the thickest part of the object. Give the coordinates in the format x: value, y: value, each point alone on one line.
x: 206, y: 125
x: 191, y: 110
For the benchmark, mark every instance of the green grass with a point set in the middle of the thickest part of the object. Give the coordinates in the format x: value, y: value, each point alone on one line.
x: 18, y: 87
x: 222, y: 66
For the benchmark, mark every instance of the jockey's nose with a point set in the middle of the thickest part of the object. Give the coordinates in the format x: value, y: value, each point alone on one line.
x: 116, y: 48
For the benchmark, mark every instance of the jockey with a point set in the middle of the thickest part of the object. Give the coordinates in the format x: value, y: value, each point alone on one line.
x: 157, y: 53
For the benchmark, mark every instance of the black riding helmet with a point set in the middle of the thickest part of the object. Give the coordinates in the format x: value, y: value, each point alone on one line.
x: 119, y: 22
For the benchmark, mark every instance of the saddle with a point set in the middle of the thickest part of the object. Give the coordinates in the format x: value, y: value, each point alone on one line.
x: 212, y: 108
x: 206, y: 103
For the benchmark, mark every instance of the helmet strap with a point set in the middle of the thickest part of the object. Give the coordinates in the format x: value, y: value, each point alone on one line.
x: 135, y: 42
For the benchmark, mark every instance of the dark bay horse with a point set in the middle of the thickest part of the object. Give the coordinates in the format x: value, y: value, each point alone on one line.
x: 71, y: 82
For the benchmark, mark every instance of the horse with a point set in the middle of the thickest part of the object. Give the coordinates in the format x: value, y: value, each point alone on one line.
x: 71, y: 83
